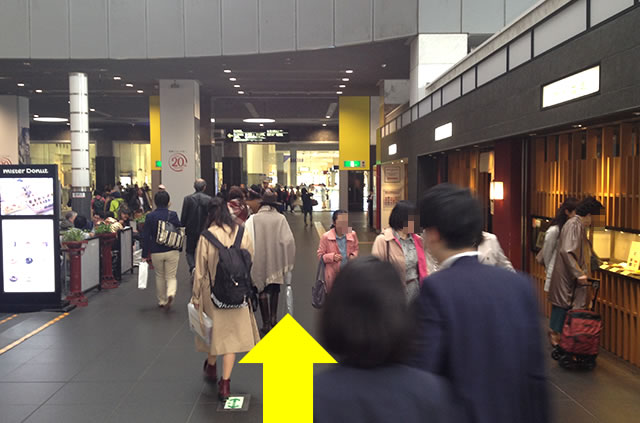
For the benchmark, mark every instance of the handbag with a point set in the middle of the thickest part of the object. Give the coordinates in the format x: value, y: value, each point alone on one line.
x: 319, y: 289
x: 168, y: 235
x: 314, y: 202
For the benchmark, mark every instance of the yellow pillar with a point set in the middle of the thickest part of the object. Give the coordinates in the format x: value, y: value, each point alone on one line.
x: 154, y: 132
x: 354, y: 120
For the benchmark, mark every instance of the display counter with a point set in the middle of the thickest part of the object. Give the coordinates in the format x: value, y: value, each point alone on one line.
x: 125, y: 237
x: 91, y: 265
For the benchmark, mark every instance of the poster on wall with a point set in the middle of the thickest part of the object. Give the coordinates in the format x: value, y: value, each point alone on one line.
x: 392, y: 190
x: 29, y: 237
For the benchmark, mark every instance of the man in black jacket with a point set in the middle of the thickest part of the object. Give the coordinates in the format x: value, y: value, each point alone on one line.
x: 193, y: 217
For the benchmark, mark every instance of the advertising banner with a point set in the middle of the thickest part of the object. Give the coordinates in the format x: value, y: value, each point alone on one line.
x: 29, y: 237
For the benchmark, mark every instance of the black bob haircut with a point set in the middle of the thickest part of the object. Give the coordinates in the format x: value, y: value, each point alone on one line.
x: 366, y: 321
x: 401, y: 213
x: 454, y: 213
x: 589, y: 206
x: 161, y: 199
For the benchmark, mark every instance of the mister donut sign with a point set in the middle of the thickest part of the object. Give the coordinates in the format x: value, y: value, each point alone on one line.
x: 178, y: 162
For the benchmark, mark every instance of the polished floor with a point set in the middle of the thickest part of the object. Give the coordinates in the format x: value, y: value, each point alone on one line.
x: 121, y: 359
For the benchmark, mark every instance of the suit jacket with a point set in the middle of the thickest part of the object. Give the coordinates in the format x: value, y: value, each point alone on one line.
x: 479, y: 328
x: 193, y: 217
x: 392, y: 393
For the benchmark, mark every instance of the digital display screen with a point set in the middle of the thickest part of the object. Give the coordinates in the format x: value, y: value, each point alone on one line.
x: 28, y: 252
x: 26, y: 196
x: 268, y: 135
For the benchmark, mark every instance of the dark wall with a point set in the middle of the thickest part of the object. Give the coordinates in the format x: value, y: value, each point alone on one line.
x: 510, y: 106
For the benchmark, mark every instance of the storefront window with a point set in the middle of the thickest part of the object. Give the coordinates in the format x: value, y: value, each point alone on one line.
x: 132, y: 162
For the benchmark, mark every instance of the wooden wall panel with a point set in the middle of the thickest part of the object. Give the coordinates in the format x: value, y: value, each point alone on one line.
x: 603, y: 162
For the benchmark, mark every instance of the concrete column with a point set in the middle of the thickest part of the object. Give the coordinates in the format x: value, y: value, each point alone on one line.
x: 14, y: 130
x: 206, y: 145
x: 180, y: 133
x: 431, y: 56
x: 80, y: 175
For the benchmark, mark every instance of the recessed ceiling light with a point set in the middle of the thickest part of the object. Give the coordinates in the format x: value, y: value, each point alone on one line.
x: 50, y: 119
x: 345, y: 79
x: 338, y: 92
x: 236, y: 86
x: 324, y: 124
x: 213, y: 120
x: 92, y: 110
x: 240, y: 92
x: 384, y: 65
x: 140, y: 91
x: 128, y: 85
x: 68, y: 124
x: 342, y: 86
x: 258, y: 120
x: 233, y: 79
x: 635, y: 113
x: 328, y: 117
x: 577, y: 126
x: 349, y: 71
x: 117, y: 78
x: 262, y: 124
x: 20, y: 84
x: 36, y: 116
x: 39, y: 91
x: 227, y: 71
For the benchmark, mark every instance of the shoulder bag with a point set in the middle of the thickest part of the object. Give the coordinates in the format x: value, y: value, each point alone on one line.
x: 319, y: 289
x: 168, y: 235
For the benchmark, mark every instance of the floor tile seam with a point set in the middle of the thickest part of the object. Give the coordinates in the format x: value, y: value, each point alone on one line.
x: 43, y: 403
x: 576, y: 401
x: 195, y: 404
x: 137, y: 382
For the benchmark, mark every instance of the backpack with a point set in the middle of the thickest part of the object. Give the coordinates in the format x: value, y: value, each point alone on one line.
x: 232, y: 287
x: 98, y: 205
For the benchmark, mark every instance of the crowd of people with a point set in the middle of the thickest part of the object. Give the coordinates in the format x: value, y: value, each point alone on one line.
x: 436, y: 317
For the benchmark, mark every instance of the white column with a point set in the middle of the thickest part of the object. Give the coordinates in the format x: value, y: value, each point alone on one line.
x: 14, y: 130
x: 431, y: 56
x: 180, y: 135
x: 79, y: 124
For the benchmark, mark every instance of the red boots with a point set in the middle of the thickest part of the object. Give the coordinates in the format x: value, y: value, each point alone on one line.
x: 210, y: 371
x: 224, y: 389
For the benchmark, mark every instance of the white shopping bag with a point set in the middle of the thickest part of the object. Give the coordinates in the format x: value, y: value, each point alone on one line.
x: 202, y: 329
x: 289, y: 292
x: 143, y: 275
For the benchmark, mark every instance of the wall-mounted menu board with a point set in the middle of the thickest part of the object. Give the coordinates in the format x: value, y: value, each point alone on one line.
x: 29, y: 237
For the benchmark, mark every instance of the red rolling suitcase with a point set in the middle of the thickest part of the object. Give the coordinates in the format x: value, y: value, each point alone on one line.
x: 580, y: 340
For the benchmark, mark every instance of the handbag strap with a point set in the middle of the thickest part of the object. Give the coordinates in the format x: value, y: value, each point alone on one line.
x: 387, y: 250
x: 320, y: 271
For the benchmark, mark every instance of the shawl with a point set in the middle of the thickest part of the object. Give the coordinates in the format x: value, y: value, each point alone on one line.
x: 274, y: 246
x: 239, y: 211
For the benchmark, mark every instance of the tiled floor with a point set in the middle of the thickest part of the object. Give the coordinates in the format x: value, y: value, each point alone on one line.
x: 121, y: 359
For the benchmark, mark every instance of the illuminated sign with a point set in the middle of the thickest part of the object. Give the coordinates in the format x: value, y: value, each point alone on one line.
x: 354, y: 163
x: 572, y: 87
x: 393, y: 149
x: 268, y: 135
x: 444, y: 131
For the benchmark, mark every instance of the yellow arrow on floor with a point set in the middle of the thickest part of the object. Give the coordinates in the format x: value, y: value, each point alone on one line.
x: 288, y: 353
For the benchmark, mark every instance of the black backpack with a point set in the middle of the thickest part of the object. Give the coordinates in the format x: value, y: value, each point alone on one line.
x: 232, y: 287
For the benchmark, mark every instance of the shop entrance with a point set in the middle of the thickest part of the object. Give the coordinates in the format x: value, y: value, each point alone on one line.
x: 356, y: 191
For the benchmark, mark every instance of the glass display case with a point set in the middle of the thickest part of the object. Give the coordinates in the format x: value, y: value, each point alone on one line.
x: 620, y: 250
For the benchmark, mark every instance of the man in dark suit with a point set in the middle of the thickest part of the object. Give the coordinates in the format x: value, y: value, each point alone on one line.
x: 193, y: 218
x: 478, y: 325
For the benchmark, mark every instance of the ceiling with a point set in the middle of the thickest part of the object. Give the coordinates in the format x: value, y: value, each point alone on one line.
x: 296, y: 88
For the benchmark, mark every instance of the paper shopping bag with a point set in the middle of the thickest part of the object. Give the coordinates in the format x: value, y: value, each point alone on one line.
x: 143, y: 275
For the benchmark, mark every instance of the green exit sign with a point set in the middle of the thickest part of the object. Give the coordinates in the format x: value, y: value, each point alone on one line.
x: 354, y: 163
x: 158, y: 163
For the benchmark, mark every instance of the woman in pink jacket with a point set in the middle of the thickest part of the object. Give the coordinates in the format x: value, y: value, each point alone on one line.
x: 337, y: 246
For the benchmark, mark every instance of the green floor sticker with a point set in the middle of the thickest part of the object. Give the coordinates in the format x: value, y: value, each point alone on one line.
x: 235, y: 403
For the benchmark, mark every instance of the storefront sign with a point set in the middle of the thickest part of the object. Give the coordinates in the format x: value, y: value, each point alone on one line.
x: 393, y: 149
x: 443, y: 132
x: 572, y: 87
x: 29, y: 239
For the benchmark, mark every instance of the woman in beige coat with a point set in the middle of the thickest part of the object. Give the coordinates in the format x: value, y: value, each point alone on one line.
x: 234, y: 330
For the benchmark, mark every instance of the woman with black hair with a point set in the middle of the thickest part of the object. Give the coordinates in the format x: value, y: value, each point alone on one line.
x: 549, y: 252
x: 337, y: 246
x: 402, y: 247
x: 367, y: 325
x: 307, y: 205
x: 234, y: 329
x: 572, y: 268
